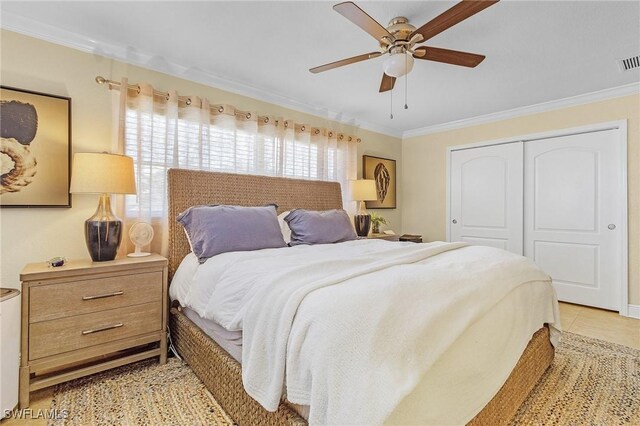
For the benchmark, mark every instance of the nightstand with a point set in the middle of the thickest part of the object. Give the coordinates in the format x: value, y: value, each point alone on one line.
x: 85, y: 317
x: 395, y: 237
x: 387, y: 237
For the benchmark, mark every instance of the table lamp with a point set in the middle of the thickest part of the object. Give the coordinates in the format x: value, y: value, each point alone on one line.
x: 104, y: 174
x: 363, y: 190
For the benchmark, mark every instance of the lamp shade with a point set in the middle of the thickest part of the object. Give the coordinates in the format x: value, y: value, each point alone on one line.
x: 363, y: 190
x: 102, y: 173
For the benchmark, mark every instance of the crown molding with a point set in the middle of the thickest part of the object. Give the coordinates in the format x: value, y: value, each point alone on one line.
x: 44, y: 31
x: 600, y: 95
x: 47, y: 32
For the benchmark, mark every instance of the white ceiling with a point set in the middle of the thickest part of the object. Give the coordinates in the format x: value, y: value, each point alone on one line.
x: 537, y: 51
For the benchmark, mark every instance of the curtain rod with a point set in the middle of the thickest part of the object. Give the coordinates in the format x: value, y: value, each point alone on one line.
x: 219, y: 108
x: 186, y: 99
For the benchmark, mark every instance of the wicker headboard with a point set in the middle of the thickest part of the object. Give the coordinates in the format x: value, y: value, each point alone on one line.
x: 191, y: 187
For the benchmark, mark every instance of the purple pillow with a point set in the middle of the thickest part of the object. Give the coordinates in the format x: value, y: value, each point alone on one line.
x: 219, y: 229
x: 314, y: 227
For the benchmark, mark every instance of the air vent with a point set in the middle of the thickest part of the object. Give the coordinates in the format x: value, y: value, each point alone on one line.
x: 629, y: 63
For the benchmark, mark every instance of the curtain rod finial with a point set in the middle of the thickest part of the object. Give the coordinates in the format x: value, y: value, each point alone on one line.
x: 101, y: 80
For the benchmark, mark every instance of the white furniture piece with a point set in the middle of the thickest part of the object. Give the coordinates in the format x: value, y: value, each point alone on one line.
x: 9, y: 348
x: 557, y: 200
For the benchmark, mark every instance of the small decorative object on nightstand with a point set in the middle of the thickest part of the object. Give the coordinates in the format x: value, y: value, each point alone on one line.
x: 85, y: 317
x: 376, y: 221
x: 140, y: 234
x: 363, y: 190
x: 104, y: 174
x: 411, y: 237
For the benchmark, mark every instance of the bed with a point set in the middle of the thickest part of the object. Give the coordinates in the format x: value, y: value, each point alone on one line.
x: 222, y: 373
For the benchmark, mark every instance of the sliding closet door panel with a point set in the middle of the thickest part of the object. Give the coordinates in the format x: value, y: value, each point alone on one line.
x: 486, y: 196
x: 572, y: 213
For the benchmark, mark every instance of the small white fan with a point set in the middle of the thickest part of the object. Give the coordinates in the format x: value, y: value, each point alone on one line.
x: 140, y: 234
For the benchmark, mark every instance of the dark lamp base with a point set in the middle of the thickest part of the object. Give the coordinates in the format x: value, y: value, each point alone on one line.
x: 363, y: 223
x: 103, y: 232
x: 103, y: 239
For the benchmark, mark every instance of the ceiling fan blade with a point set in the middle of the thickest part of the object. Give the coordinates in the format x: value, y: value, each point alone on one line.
x: 344, y: 62
x: 448, y: 56
x: 387, y: 83
x: 359, y: 17
x: 451, y: 17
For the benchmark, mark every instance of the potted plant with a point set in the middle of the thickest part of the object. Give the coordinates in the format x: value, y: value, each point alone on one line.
x: 376, y: 220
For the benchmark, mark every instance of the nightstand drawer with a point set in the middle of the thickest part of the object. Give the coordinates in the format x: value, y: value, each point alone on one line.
x: 66, y: 334
x: 80, y: 297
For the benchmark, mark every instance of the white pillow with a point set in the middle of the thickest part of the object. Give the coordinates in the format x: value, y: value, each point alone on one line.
x: 284, y: 227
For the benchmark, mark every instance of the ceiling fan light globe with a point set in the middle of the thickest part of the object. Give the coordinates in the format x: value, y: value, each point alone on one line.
x: 398, y: 64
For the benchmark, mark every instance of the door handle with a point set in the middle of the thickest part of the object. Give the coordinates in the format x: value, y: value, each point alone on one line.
x: 611, y: 226
x: 454, y: 221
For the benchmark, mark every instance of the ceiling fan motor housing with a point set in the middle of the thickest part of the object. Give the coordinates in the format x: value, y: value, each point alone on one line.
x: 400, y: 28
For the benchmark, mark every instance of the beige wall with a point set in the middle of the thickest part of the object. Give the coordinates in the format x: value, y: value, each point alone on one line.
x: 424, y: 162
x: 34, y: 235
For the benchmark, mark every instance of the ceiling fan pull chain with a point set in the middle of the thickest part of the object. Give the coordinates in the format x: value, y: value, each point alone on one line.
x: 406, y: 82
x: 391, y: 105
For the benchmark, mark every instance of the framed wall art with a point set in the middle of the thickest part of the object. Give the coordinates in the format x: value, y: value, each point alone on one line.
x: 383, y: 171
x: 35, y: 149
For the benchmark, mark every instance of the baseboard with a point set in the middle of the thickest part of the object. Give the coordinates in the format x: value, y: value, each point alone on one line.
x: 634, y: 311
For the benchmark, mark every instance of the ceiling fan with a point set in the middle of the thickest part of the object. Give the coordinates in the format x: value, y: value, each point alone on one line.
x: 399, y: 39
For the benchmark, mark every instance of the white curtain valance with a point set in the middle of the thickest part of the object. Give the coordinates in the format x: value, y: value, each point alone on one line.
x: 163, y: 130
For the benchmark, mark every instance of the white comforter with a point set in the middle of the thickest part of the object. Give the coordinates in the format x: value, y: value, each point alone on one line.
x: 350, y: 329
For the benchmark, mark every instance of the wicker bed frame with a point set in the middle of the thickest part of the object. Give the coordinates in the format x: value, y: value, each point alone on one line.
x: 222, y: 374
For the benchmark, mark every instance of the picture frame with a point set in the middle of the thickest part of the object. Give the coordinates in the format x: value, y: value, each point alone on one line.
x: 35, y: 149
x: 383, y: 171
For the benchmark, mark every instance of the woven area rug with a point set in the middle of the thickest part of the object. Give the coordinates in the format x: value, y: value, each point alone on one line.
x: 144, y: 393
x: 591, y: 382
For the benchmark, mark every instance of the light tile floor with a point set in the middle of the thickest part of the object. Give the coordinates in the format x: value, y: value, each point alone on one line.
x: 592, y: 322
x: 40, y: 400
x: 600, y: 324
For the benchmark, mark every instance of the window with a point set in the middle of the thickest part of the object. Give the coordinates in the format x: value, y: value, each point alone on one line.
x: 222, y: 143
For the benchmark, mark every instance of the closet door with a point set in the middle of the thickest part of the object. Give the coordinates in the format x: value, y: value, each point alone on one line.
x: 572, y: 215
x: 486, y: 196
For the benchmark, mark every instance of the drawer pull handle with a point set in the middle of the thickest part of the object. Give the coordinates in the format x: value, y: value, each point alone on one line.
x: 105, y: 328
x: 102, y: 296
